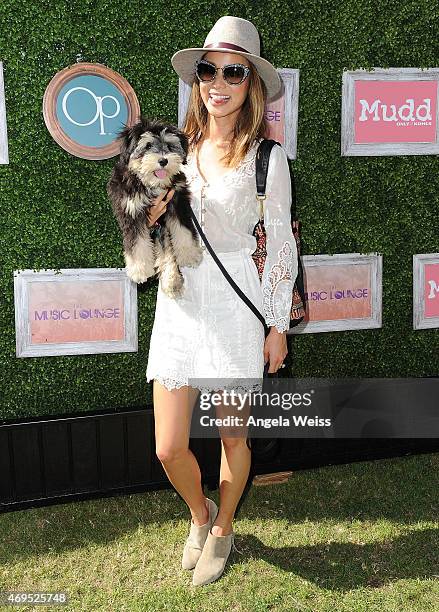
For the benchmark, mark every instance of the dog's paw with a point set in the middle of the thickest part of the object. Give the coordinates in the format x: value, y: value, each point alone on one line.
x: 174, y: 291
x: 140, y: 272
x: 172, y: 282
x: 190, y: 256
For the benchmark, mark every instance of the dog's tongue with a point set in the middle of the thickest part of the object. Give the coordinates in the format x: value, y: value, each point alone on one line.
x: 160, y: 173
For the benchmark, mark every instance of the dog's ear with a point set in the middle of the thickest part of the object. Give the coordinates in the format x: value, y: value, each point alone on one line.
x: 128, y: 140
x: 184, y: 143
x: 182, y: 137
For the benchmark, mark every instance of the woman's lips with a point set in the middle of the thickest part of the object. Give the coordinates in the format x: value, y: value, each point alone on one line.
x: 217, y: 101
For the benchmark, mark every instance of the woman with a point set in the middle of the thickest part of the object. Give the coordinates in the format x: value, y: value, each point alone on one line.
x: 209, y: 332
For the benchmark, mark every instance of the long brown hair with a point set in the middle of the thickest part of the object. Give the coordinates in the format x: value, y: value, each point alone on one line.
x: 250, y: 123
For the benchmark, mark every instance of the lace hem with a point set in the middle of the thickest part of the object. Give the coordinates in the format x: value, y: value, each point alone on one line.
x: 176, y: 383
x: 281, y: 271
x: 167, y: 381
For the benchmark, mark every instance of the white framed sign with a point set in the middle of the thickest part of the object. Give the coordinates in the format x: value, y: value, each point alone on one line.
x: 4, y: 156
x: 342, y: 291
x: 390, y: 111
x: 74, y: 311
x: 281, y: 114
x: 426, y: 291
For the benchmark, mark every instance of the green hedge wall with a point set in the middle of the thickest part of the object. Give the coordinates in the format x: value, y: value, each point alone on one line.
x: 55, y: 211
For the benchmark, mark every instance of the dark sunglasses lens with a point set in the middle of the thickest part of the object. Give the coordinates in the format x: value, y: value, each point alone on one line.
x: 205, y: 72
x: 234, y: 74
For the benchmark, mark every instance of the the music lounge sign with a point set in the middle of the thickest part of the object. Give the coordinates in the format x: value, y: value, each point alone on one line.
x: 85, y: 106
x: 390, y: 112
x: 74, y: 312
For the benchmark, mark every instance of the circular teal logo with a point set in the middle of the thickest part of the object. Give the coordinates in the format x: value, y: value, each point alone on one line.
x: 91, y: 110
x: 86, y: 106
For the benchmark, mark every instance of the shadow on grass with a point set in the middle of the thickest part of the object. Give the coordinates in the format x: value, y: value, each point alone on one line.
x: 344, y: 566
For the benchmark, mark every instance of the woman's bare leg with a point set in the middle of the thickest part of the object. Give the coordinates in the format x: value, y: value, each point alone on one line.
x: 234, y: 471
x: 172, y: 414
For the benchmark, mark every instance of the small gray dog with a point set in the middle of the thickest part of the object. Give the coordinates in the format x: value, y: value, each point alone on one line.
x: 152, y: 153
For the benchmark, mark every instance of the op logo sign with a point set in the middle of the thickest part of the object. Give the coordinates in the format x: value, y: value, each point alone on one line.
x: 98, y: 103
x: 85, y: 106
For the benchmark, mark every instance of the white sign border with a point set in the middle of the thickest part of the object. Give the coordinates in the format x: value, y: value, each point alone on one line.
x: 419, y: 320
x: 24, y: 348
x: 348, y: 146
x: 4, y: 155
x: 372, y: 322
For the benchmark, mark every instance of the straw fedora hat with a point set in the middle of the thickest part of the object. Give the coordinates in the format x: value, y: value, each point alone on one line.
x: 232, y: 35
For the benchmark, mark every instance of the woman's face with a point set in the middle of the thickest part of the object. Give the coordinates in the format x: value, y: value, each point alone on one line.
x: 236, y: 93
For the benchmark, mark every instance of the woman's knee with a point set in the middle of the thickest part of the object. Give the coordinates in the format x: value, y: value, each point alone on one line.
x: 172, y: 418
x: 234, y: 442
x: 167, y: 453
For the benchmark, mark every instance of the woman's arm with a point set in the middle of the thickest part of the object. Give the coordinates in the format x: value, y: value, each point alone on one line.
x: 281, y: 263
x: 159, y: 207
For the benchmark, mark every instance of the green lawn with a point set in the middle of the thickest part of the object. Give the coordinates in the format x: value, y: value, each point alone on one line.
x: 348, y: 538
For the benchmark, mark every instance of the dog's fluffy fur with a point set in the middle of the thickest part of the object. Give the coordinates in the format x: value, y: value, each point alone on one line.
x: 151, y: 157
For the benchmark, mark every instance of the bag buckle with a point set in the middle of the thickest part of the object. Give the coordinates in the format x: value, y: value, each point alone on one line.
x: 261, y: 198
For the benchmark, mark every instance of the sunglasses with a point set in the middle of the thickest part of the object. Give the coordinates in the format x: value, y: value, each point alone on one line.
x: 233, y: 74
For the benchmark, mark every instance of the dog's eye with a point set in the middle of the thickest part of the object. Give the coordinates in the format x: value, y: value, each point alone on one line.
x: 148, y: 145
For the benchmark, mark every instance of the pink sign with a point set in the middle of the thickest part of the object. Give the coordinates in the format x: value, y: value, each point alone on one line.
x: 76, y: 311
x: 340, y: 291
x: 431, y: 290
x: 275, y: 117
x: 395, y: 111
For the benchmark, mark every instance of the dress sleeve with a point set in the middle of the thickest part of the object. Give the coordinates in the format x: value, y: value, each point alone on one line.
x: 281, y: 263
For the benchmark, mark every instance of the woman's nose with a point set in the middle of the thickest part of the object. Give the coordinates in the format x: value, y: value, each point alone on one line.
x: 220, y: 75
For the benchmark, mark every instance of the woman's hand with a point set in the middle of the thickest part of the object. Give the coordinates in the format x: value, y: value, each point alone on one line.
x: 159, y: 206
x: 275, y: 349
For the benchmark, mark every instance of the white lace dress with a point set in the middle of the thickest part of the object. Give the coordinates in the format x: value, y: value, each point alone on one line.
x: 209, y: 336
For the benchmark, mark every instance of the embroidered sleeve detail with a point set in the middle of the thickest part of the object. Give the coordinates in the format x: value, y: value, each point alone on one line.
x: 281, y: 262
x: 278, y: 289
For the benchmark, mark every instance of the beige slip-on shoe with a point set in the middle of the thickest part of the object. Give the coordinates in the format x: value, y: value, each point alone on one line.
x: 196, y: 538
x: 213, y: 559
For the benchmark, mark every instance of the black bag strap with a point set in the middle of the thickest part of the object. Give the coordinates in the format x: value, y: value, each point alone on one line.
x: 235, y: 287
x: 227, y: 275
x: 262, y: 159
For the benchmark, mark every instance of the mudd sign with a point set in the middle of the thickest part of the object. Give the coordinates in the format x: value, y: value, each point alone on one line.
x: 84, y: 108
x: 390, y: 111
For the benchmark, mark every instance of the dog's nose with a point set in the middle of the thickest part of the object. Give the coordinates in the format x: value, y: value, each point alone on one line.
x: 163, y: 161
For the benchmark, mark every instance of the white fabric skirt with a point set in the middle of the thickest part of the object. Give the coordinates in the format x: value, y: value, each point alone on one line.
x: 209, y: 332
